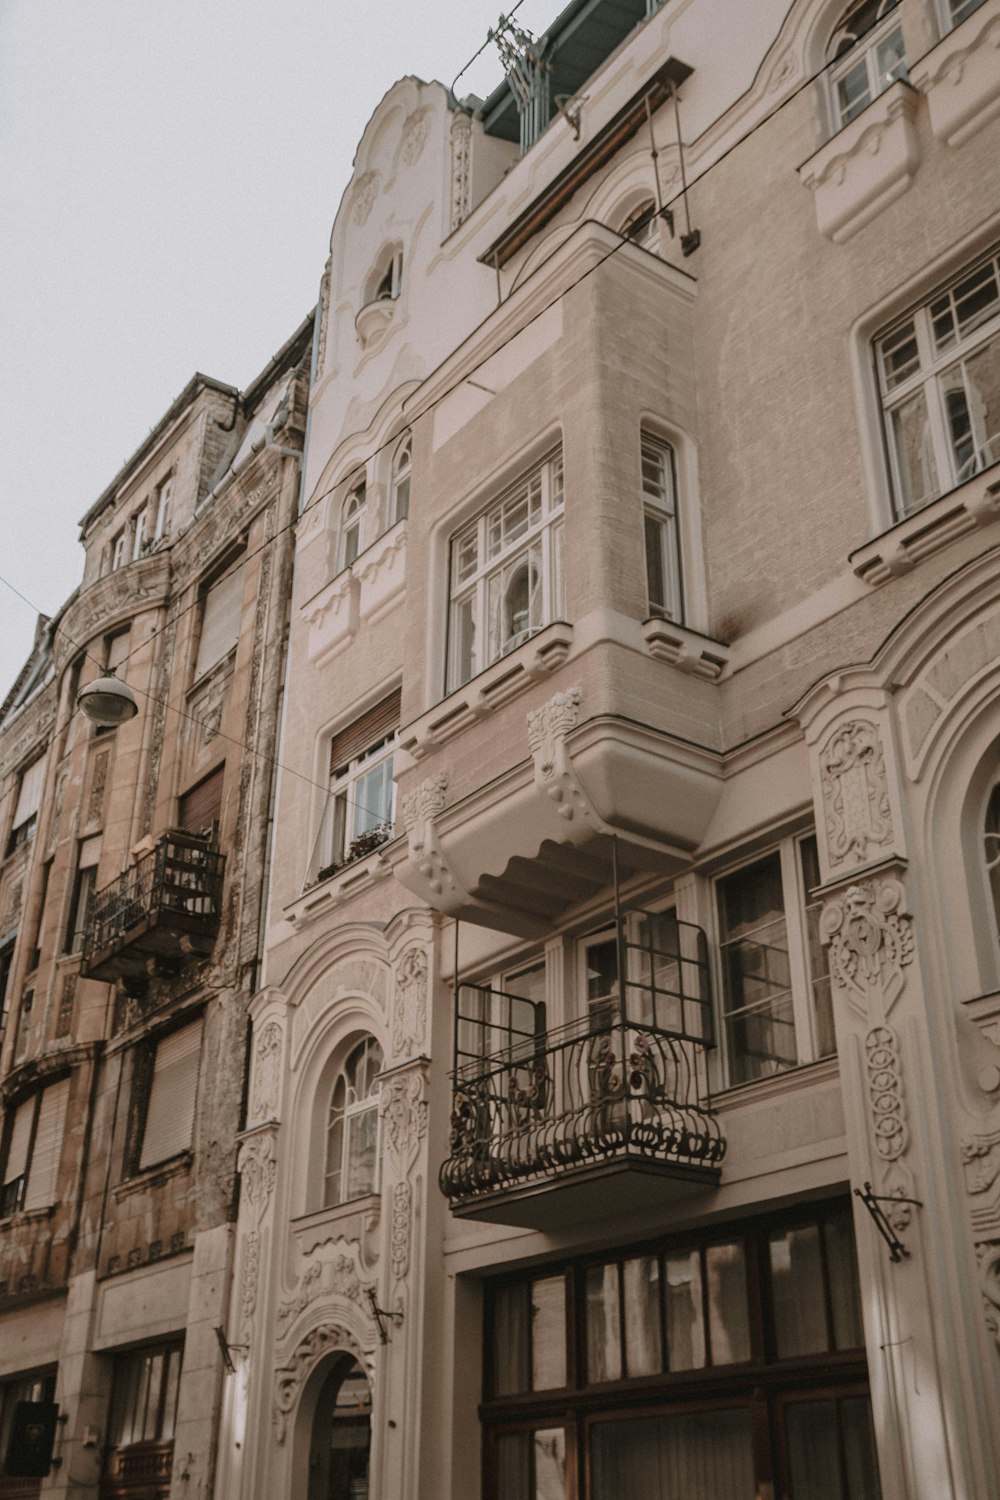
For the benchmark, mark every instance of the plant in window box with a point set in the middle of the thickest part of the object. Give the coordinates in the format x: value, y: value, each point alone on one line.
x: 367, y: 843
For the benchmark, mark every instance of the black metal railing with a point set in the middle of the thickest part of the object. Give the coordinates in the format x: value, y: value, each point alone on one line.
x: 629, y: 1080
x: 177, y: 885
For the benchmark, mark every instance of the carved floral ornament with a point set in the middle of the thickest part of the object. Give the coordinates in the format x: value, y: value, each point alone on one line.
x: 365, y: 192
x: 267, y: 1066
x: 289, y: 1380
x: 403, y: 1110
x: 548, y: 727
x: 855, y: 792
x: 410, y: 1011
x: 870, y: 938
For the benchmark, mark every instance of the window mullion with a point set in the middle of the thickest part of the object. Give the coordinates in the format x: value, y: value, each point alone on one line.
x: 795, y: 927
x: 934, y: 368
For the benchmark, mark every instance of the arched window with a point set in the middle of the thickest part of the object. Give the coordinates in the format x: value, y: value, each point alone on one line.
x: 642, y: 225
x: 351, y: 525
x: 341, y: 1435
x: 352, y: 1126
x: 868, y: 54
x: 991, y: 849
x: 387, y: 282
x: 399, y: 506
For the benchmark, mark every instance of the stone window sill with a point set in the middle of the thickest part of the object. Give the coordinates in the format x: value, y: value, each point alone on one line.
x: 154, y: 1177
x: 685, y: 649
x: 958, y: 77
x: 929, y: 529
x: 867, y: 165
x: 348, y: 881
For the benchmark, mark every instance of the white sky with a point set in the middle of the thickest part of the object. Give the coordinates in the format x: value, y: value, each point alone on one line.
x: 169, y: 172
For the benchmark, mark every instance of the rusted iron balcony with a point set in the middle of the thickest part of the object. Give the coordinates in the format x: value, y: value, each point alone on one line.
x: 607, y: 1113
x: 163, y: 910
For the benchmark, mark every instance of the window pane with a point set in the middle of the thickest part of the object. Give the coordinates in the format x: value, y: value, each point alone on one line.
x: 548, y: 1333
x: 604, y: 1352
x: 842, y: 1269
x: 361, y: 1154
x: 656, y: 573
x: 974, y: 420
x: 513, y: 1481
x: 861, y: 1460
x: 797, y: 1291
x: 685, y: 1325
x: 728, y: 1319
x: 760, y: 1029
x: 852, y: 91
x: 890, y: 59
x: 642, y: 1315
x: 819, y: 969
x: 549, y: 1447
x: 685, y: 1456
x: 151, y: 1429
x: 172, y: 1382
x: 911, y: 442
x: 813, y: 1456
x: 900, y: 355
x: 510, y: 1340
x: 463, y: 641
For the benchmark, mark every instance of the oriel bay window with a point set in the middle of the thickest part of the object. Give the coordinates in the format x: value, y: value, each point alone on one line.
x: 939, y: 375
x: 776, y: 1004
x: 506, y: 573
x: 717, y: 1366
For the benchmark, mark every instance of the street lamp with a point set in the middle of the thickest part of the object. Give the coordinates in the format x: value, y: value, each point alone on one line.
x: 108, y: 701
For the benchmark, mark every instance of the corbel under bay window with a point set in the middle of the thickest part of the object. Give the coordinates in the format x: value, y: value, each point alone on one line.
x: 506, y: 573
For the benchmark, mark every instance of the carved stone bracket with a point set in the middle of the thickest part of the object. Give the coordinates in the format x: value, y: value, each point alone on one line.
x: 420, y: 808
x: 855, y: 792
x: 555, y: 776
x: 870, y: 939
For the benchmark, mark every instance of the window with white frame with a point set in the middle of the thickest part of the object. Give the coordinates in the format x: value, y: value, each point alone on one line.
x: 351, y: 1156
x: 362, y: 791
x: 402, y: 463
x: 164, y: 500
x: 868, y: 54
x: 33, y: 1149
x: 659, y: 503
x: 506, y: 573
x: 119, y: 545
x: 957, y: 10
x: 776, y: 1002
x: 389, y: 282
x: 140, y: 532
x: 939, y: 376
x: 168, y: 1123
x: 29, y: 796
x: 352, y: 520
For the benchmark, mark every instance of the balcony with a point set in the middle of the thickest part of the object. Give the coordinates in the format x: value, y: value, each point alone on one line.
x: 609, y: 1113
x: 163, y: 910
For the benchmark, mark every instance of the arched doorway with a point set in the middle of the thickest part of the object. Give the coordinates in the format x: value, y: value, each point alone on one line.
x: 341, y: 1434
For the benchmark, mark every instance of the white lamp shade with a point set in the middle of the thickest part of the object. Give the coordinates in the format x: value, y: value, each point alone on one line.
x: 108, y: 701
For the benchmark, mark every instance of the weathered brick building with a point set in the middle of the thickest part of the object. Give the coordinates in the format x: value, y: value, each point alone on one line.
x: 131, y: 891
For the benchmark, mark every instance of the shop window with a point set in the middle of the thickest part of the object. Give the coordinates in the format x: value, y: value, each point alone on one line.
x: 868, y: 54
x: 221, y: 609
x: 362, y: 791
x: 694, y: 1366
x: 506, y: 573
x: 351, y: 1157
x: 171, y: 1076
x: 664, y: 594
x: 29, y: 796
x: 776, y: 1001
x: 33, y: 1148
x: 939, y: 377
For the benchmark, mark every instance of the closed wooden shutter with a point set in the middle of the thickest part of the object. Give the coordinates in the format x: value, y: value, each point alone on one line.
x: 220, y: 619
x: 30, y: 792
x: 117, y: 651
x: 42, y: 1178
x: 20, y: 1140
x: 170, y: 1112
x: 202, y: 805
x: 368, y: 730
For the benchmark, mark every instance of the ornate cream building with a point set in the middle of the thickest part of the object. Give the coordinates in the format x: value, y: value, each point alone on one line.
x: 134, y: 862
x: 635, y: 885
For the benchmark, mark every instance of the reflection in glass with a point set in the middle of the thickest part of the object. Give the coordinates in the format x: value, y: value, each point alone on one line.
x: 797, y: 1291
x: 728, y: 1319
x: 548, y: 1333
x: 685, y: 1456
x: 604, y: 1354
x: 685, y: 1328
x: 510, y: 1340
x: 642, y: 1315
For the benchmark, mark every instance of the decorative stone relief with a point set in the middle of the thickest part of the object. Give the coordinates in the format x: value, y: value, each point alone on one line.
x: 409, y: 1025
x: 324, y: 1276
x: 324, y: 318
x: 330, y: 1338
x: 548, y: 727
x: 12, y: 912
x: 988, y: 1256
x: 266, y: 1074
x: 363, y: 198
x: 870, y: 939
x: 420, y: 808
x: 58, y: 798
x: 399, y: 1230
x: 257, y: 1166
x: 426, y: 801
x: 461, y: 151
x: 161, y: 697
x: 98, y: 787
x: 885, y: 1092
x: 403, y: 1109
x: 855, y: 792
x: 416, y: 128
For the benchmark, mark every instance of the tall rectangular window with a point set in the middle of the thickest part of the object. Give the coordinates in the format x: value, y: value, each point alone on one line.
x: 939, y: 377
x: 362, y: 791
x: 659, y: 508
x: 775, y: 986
x: 34, y: 1147
x: 222, y: 606
x: 506, y: 573
x: 164, y: 500
x: 84, y: 886
x: 169, y: 1123
x: 29, y: 796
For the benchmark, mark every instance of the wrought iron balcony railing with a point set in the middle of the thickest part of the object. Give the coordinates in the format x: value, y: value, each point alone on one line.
x: 624, y: 1088
x: 163, y: 908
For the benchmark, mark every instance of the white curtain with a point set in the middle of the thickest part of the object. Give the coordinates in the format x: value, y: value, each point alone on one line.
x: 686, y: 1456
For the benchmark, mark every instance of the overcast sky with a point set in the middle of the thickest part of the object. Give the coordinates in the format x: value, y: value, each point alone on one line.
x: 169, y: 172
